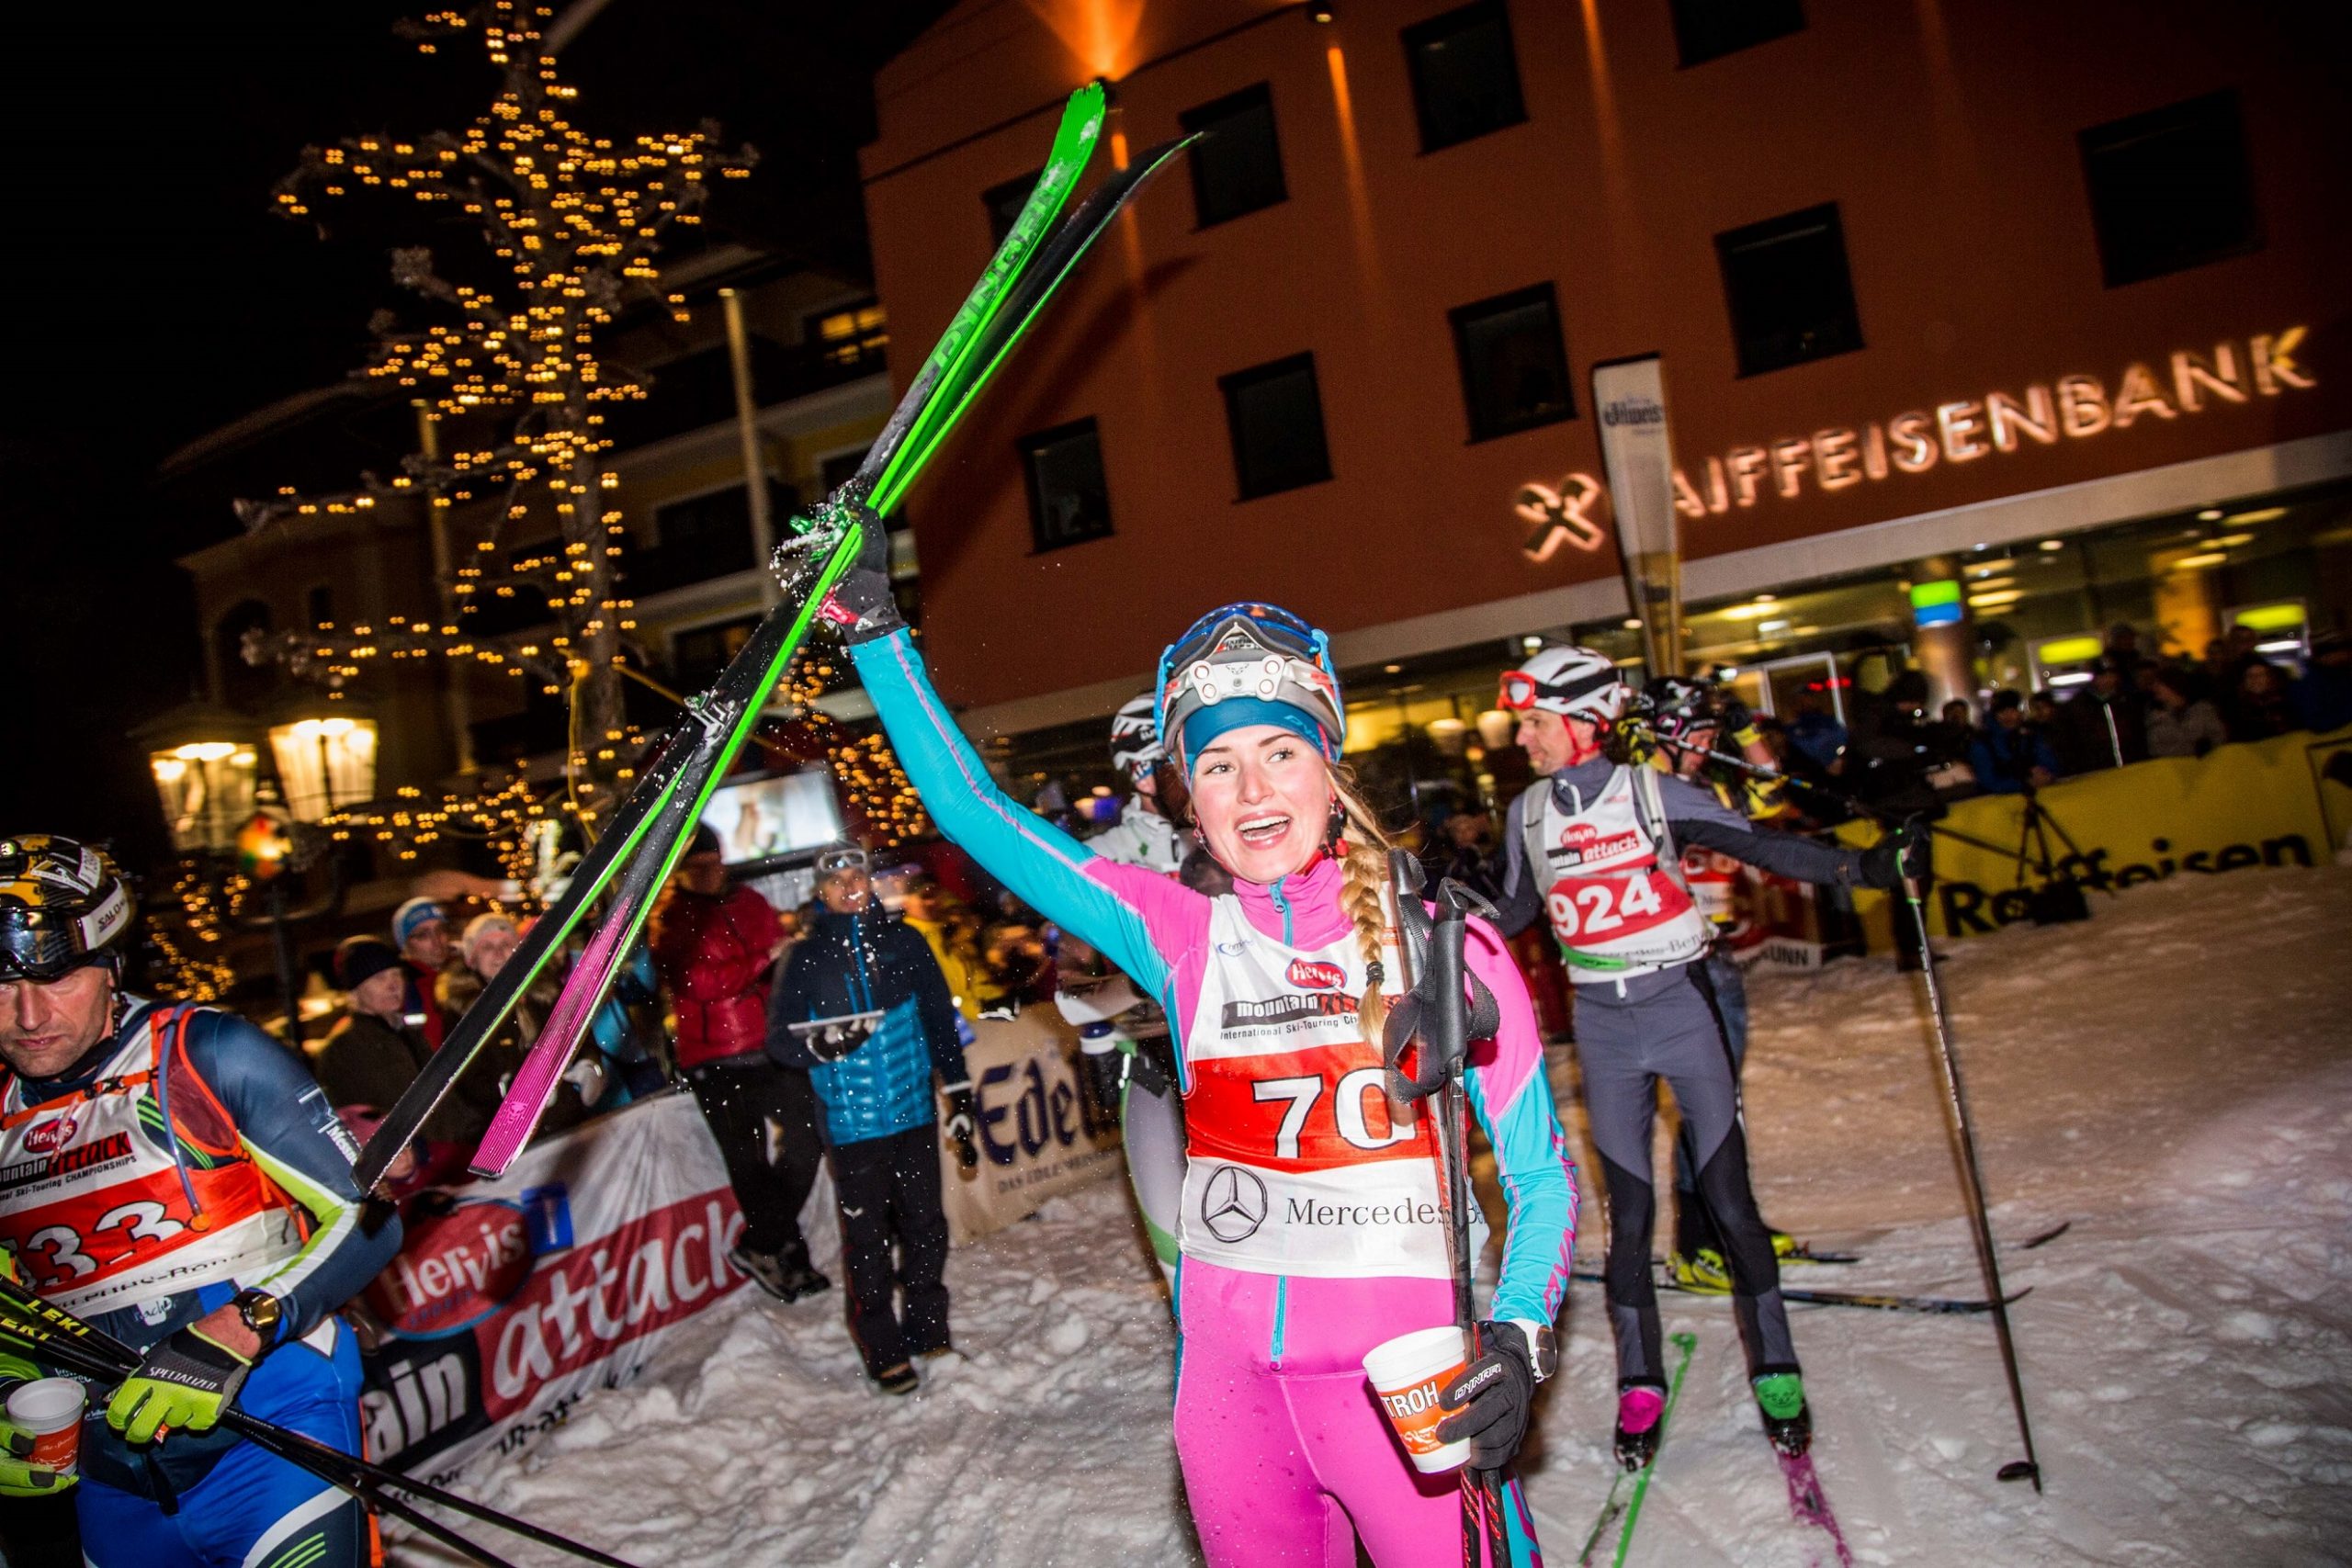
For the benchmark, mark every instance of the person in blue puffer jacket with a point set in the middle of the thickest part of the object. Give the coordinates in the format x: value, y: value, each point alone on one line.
x: 862, y: 1008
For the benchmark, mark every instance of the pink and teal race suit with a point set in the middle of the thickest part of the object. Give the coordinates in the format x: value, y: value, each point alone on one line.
x: 1311, y: 1230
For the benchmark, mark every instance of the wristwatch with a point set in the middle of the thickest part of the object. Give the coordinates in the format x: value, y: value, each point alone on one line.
x: 262, y: 1313
x: 1543, y: 1348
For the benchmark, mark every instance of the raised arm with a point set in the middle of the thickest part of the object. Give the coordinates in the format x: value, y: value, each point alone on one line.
x: 1512, y: 1099
x: 1115, y: 909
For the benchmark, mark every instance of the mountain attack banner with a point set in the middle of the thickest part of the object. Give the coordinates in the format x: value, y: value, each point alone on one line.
x: 1638, y: 457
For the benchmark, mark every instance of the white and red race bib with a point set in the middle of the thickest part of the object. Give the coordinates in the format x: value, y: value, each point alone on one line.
x: 1615, y: 909
x: 96, y: 1209
x: 1294, y: 1164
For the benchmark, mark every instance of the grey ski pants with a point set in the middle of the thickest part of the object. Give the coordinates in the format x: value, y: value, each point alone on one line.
x: 1666, y: 1026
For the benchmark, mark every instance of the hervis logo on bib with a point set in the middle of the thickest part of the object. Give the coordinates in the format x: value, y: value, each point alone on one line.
x: 51, y: 1136
x: 1316, y: 975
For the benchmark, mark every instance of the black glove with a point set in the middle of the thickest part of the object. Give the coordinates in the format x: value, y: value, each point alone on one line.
x: 1733, y: 717
x: 1905, y: 851
x: 862, y: 606
x: 1492, y: 1397
x: 961, y: 1125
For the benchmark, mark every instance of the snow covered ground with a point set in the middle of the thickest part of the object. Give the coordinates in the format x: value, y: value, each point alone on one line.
x: 2174, y: 1077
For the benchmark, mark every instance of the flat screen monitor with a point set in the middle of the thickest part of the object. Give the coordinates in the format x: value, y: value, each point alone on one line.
x: 761, y: 818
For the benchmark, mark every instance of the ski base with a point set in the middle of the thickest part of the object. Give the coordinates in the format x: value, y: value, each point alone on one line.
x: 1869, y: 1299
x: 1808, y: 1506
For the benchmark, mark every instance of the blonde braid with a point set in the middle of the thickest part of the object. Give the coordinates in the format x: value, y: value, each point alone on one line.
x: 1364, y: 879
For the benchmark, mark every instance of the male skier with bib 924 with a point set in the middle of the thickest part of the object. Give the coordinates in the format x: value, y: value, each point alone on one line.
x: 1596, y: 849
x: 177, y: 1179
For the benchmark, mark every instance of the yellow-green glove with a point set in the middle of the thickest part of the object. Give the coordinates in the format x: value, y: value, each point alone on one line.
x: 185, y: 1383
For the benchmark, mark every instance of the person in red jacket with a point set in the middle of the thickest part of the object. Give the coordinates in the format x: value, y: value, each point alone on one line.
x: 717, y: 945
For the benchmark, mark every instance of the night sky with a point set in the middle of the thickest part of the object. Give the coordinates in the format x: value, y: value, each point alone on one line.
x: 157, y: 297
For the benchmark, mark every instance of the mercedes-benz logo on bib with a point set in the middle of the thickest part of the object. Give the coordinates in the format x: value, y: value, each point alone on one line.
x: 1233, y: 1204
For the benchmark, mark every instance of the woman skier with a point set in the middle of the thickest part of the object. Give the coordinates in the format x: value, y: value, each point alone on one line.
x: 1310, y: 1227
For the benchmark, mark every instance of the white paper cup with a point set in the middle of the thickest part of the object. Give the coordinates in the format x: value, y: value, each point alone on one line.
x: 1407, y: 1373
x: 49, y: 1409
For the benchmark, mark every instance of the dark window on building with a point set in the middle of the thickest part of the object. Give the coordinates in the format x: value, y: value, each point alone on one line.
x: 2170, y: 188
x: 1465, y: 76
x: 839, y: 468
x: 242, y: 684
x: 1004, y: 203
x: 1791, y: 299
x: 699, y: 653
x: 1069, y: 501
x: 1237, y: 163
x: 1275, y: 415
x: 319, y: 604
x: 703, y: 536
x: 1709, y: 29
x: 1514, y: 367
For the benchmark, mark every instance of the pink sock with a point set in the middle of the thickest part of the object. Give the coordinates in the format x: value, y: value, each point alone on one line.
x: 1639, y: 1408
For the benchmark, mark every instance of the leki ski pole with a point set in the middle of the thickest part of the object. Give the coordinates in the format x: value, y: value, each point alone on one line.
x: 1956, y: 1101
x: 57, y: 1336
x: 1437, y: 1013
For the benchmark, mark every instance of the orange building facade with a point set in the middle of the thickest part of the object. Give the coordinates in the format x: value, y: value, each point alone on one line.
x: 2006, y: 381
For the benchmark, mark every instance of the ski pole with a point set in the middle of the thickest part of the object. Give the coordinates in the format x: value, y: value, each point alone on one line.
x: 1440, y: 1016
x: 2030, y: 1467
x: 1836, y: 797
x: 57, y: 1334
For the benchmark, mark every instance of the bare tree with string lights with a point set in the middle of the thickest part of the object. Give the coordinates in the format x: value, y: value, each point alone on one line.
x: 561, y: 231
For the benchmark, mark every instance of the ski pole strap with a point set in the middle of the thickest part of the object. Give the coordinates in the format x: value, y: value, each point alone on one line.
x: 1447, y: 1007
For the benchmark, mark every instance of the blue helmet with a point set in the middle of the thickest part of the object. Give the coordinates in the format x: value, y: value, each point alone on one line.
x: 1249, y: 663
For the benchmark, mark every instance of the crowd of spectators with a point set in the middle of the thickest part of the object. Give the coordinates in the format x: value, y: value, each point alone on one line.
x: 2134, y: 707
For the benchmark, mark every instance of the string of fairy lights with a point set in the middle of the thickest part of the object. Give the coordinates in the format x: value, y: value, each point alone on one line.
x: 509, y: 372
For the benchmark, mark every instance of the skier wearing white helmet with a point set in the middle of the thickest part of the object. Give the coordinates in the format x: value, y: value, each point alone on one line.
x: 1146, y: 833
x: 1594, y: 848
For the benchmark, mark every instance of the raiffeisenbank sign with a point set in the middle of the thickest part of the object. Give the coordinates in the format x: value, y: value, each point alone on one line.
x: 2000, y: 422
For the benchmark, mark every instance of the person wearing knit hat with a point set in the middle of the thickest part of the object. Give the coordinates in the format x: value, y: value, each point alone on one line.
x: 378, y: 1046
x: 420, y: 931
x: 489, y: 941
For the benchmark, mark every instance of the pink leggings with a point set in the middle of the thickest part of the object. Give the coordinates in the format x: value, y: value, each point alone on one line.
x: 1286, y: 1458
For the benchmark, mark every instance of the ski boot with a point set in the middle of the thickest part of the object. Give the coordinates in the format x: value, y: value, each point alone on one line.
x: 1639, y: 1409
x: 1702, y: 1270
x: 1787, y: 1423
x: 1785, y: 1246
x: 899, y: 1379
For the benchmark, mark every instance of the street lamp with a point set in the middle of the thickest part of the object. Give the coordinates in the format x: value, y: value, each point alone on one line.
x: 205, y: 766
x: 326, y: 758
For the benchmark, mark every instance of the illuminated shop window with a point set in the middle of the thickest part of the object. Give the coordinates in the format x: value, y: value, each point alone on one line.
x: 1791, y: 299
x: 853, y: 334
x: 1275, y: 415
x: 1237, y: 163
x: 1465, y: 76
x: 1069, y: 501
x: 1709, y: 29
x: 1004, y: 203
x: 2169, y: 189
x: 1514, y: 367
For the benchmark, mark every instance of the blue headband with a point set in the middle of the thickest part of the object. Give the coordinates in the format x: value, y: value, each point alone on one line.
x: 1238, y: 713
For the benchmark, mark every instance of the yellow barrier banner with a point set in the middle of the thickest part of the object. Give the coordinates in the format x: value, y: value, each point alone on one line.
x: 2286, y: 801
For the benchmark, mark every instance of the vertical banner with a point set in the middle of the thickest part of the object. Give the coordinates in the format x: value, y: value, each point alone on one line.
x: 1638, y: 457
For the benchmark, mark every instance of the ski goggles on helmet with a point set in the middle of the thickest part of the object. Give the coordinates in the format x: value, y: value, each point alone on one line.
x: 1257, y: 654
x: 840, y: 858
x: 1522, y: 693
x: 60, y: 908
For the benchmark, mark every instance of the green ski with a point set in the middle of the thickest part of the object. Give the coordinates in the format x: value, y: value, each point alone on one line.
x: 1625, y: 1494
